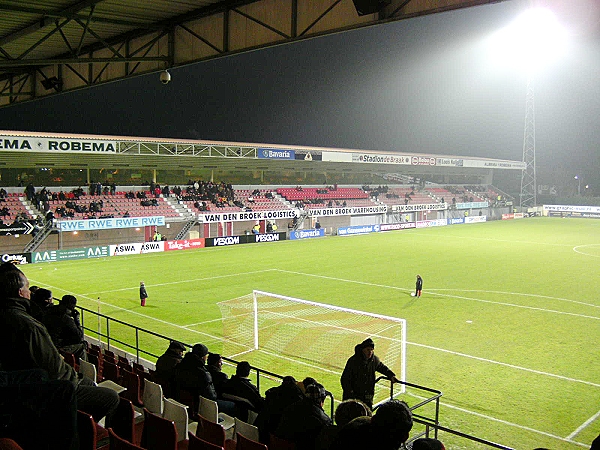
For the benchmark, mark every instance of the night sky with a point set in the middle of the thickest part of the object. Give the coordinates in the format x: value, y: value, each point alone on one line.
x: 427, y: 85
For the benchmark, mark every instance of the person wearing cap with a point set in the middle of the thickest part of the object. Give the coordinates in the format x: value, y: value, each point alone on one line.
x: 62, y: 322
x: 358, y: 377
x: 302, y: 422
x: 166, y: 363
x: 143, y: 293
x: 192, y: 376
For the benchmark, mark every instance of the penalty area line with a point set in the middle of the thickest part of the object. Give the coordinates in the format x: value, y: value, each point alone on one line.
x: 583, y: 426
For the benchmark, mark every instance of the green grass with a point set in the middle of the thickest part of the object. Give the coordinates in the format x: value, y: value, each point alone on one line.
x: 508, y: 326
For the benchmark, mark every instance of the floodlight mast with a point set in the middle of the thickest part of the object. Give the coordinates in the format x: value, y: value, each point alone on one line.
x: 528, y: 197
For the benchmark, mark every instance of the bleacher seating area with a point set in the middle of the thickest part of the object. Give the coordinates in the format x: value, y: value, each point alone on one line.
x: 12, y: 207
x: 113, y: 206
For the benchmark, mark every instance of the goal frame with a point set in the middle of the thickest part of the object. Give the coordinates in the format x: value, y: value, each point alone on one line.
x: 255, y: 311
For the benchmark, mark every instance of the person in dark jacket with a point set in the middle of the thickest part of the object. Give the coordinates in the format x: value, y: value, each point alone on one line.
x: 241, y: 386
x: 40, y: 302
x: 418, y: 286
x: 358, y: 377
x: 388, y: 429
x: 192, y: 375
x: 277, y: 399
x: 302, y: 421
x: 165, y: 366
x: 62, y: 322
x: 215, y: 367
x: 143, y: 293
x: 27, y: 345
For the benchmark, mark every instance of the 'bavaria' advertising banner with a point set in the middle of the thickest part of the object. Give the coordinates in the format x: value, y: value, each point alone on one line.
x: 274, y: 153
x: 306, y: 234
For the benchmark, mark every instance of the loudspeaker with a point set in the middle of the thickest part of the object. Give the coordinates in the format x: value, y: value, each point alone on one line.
x: 364, y: 7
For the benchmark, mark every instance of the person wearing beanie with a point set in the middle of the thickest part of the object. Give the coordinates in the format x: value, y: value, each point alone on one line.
x: 303, y: 421
x: 62, y: 322
x: 358, y: 377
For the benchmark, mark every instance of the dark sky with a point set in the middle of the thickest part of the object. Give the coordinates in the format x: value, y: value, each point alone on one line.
x: 421, y: 85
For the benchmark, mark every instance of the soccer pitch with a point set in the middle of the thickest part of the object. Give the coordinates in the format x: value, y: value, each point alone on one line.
x: 508, y: 326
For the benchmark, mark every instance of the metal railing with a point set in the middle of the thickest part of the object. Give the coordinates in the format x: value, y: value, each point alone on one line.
x: 431, y: 424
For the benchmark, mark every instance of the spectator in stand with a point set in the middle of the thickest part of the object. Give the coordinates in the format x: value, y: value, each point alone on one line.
x: 346, y: 411
x: 388, y: 429
x: 427, y: 444
x: 62, y: 322
x: 27, y: 345
x: 240, y: 385
x: 215, y: 367
x: 302, y: 421
x: 277, y: 399
x: 358, y: 377
x: 166, y: 364
x: 41, y: 301
x: 192, y: 376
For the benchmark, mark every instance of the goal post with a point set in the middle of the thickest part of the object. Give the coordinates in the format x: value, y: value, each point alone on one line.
x: 311, y: 333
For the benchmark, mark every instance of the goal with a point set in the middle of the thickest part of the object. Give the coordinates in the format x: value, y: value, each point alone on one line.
x: 312, y: 333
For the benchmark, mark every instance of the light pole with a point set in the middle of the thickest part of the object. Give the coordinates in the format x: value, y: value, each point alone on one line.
x: 528, y: 43
x: 578, y: 184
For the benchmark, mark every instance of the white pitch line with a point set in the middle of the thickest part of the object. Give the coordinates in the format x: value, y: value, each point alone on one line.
x: 583, y: 426
x: 499, y: 363
x: 505, y: 422
x: 517, y: 293
x: 216, y: 277
x: 365, y: 283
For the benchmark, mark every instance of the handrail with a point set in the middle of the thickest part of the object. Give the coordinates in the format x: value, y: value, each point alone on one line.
x: 437, y: 428
x: 429, y: 423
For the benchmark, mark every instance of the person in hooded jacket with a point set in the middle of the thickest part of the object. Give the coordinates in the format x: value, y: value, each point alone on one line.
x: 62, y: 322
x: 358, y: 377
x: 165, y: 366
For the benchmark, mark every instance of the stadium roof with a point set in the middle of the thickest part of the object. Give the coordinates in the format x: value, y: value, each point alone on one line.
x: 76, y: 151
x: 52, y: 46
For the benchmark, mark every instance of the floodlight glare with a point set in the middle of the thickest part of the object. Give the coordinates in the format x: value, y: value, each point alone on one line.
x: 533, y: 39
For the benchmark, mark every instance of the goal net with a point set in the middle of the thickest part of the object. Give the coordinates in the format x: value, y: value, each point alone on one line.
x: 308, y: 333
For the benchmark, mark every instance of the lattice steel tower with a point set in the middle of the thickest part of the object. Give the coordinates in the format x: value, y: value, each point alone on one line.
x: 528, y: 181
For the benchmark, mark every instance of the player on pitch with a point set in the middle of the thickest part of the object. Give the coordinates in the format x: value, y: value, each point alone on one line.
x: 419, y: 286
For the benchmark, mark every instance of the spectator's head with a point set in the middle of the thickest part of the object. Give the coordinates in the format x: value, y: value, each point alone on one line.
x: 200, y: 350
x: 368, y: 348
x: 215, y: 359
x: 356, y: 434
x: 428, y: 444
x: 68, y: 301
x: 13, y: 282
x: 288, y: 380
x: 42, y: 297
x: 349, y: 410
x: 392, y: 423
x: 177, y: 347
x: 243, y: 369
x: 596, y: 444
x: 32, y: 289
x: 316, y: 393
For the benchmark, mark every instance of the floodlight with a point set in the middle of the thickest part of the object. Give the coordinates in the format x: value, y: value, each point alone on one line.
x: 533, y: 39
